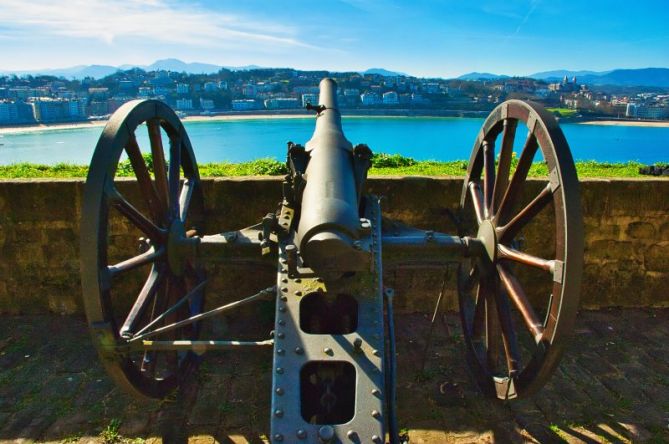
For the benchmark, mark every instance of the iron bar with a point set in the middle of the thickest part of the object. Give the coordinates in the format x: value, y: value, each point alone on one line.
x: 200, y: 347
x: 199, y: 317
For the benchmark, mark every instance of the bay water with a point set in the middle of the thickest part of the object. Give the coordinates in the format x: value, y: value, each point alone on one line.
x: 423, y: 138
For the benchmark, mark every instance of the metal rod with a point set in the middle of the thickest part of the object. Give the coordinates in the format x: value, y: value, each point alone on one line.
x: 200, y: 347
x: 437, y: 308
x: 260, y: 295
x: 393, y: 429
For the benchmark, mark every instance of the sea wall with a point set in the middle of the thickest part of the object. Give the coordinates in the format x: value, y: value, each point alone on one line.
x: 626, y: 225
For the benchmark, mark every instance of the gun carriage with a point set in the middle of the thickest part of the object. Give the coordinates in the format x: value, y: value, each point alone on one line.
x: 333, y: 361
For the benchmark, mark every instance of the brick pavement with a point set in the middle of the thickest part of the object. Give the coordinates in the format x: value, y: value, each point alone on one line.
x: 612, y: 386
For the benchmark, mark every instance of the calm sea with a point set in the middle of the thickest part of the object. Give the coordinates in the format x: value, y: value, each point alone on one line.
x: 421, y: 138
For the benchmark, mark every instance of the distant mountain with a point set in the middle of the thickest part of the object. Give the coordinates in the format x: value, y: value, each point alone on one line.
x: 481, y: 76
x: 560, y: 73
x: 658, y: 77
x: 77, y: 72
x: 383, y: 72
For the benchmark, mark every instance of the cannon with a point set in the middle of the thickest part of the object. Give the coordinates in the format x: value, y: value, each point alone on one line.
x: 333, y: 351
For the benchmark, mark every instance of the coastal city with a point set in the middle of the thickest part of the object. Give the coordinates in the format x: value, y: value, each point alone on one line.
x: 29, y: 99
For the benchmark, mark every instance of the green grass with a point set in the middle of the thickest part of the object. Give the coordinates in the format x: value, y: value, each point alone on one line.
x: 562, y: 112
x: 383, y: 165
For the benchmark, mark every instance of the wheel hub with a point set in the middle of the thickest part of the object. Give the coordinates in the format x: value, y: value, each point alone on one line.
x: 486, y: 235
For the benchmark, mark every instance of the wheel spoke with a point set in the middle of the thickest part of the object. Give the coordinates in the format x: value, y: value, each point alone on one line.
x: 174, y: 176
x: 489, y: 176
x: 517, y: 295
x: 478, y: 322
x: 525, y: 215
x: 504, y: 252
x: 159, y: 166
x: 185, y: 198
x: 477, y: 200
x: 146, y: 187
x: 144, y: 298
x: 141, y: 259
x: 504, y: 167
x: 518, y: 180
x: 134, y: 216
x: 509, y: 338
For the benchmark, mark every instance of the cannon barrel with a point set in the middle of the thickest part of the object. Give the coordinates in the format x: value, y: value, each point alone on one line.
x: 329, y: 217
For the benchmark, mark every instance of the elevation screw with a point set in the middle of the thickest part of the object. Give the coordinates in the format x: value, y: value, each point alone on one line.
x: 357, y: 343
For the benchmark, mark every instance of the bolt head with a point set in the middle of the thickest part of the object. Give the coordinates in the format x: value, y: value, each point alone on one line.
x: 326, y: 433
x: 328, y: 351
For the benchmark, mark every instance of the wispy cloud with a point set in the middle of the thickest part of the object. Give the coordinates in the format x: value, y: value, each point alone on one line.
x: 154, y: 20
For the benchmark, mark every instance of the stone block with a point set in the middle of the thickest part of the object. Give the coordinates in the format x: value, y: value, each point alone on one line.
x: 640, y: 230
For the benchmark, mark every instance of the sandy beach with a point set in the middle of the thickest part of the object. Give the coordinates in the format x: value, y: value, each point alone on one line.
x: 238, y: 117
x: 100, y: 123
x: 658, y: 124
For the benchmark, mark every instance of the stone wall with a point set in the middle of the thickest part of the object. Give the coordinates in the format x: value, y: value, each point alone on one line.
x: 626, y: 232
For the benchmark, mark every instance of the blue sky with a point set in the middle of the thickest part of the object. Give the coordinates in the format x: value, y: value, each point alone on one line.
x: 420, y: 37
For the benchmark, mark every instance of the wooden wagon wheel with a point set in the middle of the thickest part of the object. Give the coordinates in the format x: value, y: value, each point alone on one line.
x: 126, y: 287
x: 519, y: 297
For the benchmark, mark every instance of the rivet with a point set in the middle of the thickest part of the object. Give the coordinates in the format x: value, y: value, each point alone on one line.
x: 279, y: 370
x: 281, y: 335
x: 351, y: 434
x: 279, y: 391
x: 278, y: 437
x: 376, y: 392
x: 299, y: 350
x: 284, y: 280
x: 326, y: 433
x: 301, y: 434
x: 328, y: 351
x: 280, y: 351
x: 319, y: 279
x: 376, y: 413
x: 376, y: 438
x: 284, y: 298
x: 278, y: 413
x: 284, y: 261
x: 375, y: 353
x: 282, y: 322
x: 298, y: 280
x: 298, y: 293
x: 282, y: 309
x: 284, y: 289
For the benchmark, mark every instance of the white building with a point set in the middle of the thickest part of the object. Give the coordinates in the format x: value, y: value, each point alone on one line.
x: 309, y: 98
x: 206, y: 104
x: 369, y: 98
x: 390, y: 98
x: 182, y: 88
x: 282, y: 103
x: 245, y: 105
x: 184, y: 104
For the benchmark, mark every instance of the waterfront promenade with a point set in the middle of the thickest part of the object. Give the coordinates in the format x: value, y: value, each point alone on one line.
x: 611, y: 386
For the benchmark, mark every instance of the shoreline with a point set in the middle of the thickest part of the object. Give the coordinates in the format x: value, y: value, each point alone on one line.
x: 642, y: 123
x: 246, y: 117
